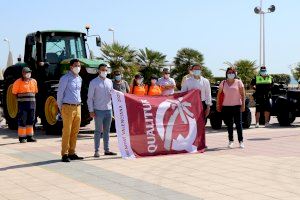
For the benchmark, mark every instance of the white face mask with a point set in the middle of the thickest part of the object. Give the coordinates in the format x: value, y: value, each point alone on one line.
x: 76, y: 70
x: 28, y: 75
x: 197, y: 72
x: 103, y: 74
x: 153, y: 81
x: 230, y: 76
x: 139, y: 81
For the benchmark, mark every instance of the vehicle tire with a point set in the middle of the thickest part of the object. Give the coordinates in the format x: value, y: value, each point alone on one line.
x: 51, y: 125
x: 10, y: 107
x: 246, y: 118
x: 285, y: 117
x: 216, y: 120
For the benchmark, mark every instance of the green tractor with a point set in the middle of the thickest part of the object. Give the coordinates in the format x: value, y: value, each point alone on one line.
x: 48, y: 54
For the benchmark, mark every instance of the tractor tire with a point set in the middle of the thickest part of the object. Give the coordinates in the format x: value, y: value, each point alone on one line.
x: 215, y: 120
x: 51, y: 125
x: 246, y: 118
x: 10, y: 107
x: 285, y: 117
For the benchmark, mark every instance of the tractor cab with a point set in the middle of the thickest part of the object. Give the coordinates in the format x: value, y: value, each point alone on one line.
x: 46, y: 51
x: 48, y: 54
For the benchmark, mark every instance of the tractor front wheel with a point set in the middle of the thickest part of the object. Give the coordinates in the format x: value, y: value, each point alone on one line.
x: 51, y: 124
x: 10, y: 108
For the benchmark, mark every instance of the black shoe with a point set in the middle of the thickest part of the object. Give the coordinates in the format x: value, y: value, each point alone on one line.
x: 109, y: 153
x: 22, y: 140
x: 65, y: 158
x: 75, y: 157
x: 31, y: 139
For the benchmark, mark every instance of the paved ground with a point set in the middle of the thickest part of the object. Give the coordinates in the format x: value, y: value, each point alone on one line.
x: 268, y: 168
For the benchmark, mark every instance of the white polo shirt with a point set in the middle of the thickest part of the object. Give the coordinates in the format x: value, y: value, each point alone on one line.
x: 201, y: 84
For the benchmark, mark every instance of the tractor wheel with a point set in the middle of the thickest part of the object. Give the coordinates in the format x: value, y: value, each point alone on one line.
x: 10, y: 107
x: 215, y: 120
x: 246, y: 118
x: 285, y: 117
x: 51, y: 125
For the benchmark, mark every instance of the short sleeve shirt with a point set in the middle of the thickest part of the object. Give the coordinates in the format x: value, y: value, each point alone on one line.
x: 122, y: 87
x: 232, y: 95
x: 165, y: 82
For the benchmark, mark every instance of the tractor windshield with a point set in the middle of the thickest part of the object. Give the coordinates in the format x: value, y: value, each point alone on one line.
x: 58, y: 48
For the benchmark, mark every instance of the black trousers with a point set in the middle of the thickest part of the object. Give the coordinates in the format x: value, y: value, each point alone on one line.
x: 233, y: 114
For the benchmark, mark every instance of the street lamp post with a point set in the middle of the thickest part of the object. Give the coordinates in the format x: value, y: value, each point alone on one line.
x: 113, y: 33
x: 10, y: 59
x: 8, y: 42
x: 259, y: 10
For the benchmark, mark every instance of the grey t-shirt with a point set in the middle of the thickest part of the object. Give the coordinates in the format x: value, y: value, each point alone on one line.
x: 122, y: 86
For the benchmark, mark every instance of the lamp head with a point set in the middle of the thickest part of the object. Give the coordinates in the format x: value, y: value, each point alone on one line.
x: 257, y: 10
x: 272, y: 8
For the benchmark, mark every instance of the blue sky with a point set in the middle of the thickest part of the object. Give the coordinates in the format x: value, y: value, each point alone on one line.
x: 222, y: 30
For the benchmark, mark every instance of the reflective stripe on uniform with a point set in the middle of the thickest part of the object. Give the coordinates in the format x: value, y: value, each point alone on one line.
x: 22, y: 131
x: 29, y: 130
x: 26, y: 99
x: 29, y: 96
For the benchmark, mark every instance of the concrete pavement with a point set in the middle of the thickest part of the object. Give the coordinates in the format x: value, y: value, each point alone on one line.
x: 268, y: 168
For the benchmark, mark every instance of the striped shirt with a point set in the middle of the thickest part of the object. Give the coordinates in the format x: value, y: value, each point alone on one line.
x: 25, y: 90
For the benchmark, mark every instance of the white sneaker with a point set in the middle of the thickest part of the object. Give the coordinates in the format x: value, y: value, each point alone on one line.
x: 267, y: 124
x: 242, y: 146
x: 97, y: 154
x: 257, y: 125
x: 230, y: 144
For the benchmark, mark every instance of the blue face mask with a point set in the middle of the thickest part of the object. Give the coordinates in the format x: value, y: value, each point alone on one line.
x: 118, y: 78
x: 197, y: 72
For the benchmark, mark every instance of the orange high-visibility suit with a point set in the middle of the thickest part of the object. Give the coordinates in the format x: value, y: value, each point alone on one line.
x: 25, y: 91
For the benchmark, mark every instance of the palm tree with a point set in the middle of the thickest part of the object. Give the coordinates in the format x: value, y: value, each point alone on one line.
x: 150, y: 58
x: 186, y: 57
x: 120, y: 57
x: 150, y: 62
x: 296, y: 72
x: 246, y: 70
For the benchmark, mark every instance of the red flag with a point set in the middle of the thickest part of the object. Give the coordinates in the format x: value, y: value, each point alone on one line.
x: 148, y: 126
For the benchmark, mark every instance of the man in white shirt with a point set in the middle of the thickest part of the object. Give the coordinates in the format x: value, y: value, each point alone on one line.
x: 166, y: 83
x: 199, y: 82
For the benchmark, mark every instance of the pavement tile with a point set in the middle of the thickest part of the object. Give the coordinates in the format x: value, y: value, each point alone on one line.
x: 268, y: 168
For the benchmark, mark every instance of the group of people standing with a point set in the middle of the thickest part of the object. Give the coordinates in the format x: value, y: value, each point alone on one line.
x: 231, y: 105
x: 157, y: 86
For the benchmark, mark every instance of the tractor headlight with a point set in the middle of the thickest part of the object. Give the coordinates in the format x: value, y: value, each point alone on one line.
x: 91, y: 70
x: 295, y: 100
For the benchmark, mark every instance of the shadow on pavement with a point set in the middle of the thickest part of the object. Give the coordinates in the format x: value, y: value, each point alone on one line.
x: 92, y: 158
x: 216, y: 149
x: 5, y: 144
x: 259, y: 139
x: 41, y: 163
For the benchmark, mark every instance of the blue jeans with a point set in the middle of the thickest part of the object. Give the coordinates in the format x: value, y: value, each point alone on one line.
x: 103, y: 120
